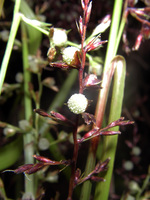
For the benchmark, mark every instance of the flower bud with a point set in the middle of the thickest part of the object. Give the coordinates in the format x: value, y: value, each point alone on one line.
x: 52, y: 177
x: 4, y: 35
x: 136, y: 151
x: 43, y: 144
x: 77, y: 103
x: 51, y: 53
x: 62, y: 135
x: 70, y: 138
x: 19, y: 77
x: 8, y: 132
x: 33, y: 64
x: 91, y: 80
x: 24, y: 125
x: 94, y: 43
x: 138, y: 42
x: 59, y: 37
x: 105, y: 23
x: 128, y: 165
x: 71, y: 56
x: 28, y: 195
x: 133, y: 187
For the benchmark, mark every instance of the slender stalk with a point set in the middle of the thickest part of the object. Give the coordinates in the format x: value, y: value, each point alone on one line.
x: 87, y: 186
x: 74, y: 160
x: 83, y: 36
x: 13, y: 31
x: 110, y: 143
x: 94, y: 143
x: 122, y: 25
x: 33, y: 24
x: 1, y: 7
x: 145, y: 184
x: 83, y: 54
x: 34, y: 35
x: 109, y: 56
x: 28, y: 137
x: 113, y: 35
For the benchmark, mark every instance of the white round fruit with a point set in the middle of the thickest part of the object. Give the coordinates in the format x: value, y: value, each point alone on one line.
x: 59, y: 37
x: 68, y: 54
x: 77, y: 103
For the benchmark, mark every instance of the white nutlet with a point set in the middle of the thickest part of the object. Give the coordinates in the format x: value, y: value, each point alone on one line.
x: 77, y: 103
x: 59, y: 37
x: 70, y: 56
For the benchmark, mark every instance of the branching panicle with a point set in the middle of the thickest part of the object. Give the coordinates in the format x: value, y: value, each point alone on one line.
x: 74, y: 57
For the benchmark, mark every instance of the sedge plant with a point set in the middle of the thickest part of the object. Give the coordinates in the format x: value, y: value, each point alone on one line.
x: 74, y: 58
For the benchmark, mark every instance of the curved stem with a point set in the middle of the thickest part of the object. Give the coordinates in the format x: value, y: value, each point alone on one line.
x: 110, y: 143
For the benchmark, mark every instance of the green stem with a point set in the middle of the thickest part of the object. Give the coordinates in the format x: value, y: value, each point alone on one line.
x: 87, y: 186
x: 13, y: 31
x: 145, y: 184
x: 1, y: 7
x: 121, y: 28
x: 113, y: 35
x: 94, y: 143
x: 110, y: 143
x: 33, y: 23
x: 28, y: 137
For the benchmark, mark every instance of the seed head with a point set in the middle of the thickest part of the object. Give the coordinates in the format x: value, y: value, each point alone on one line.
x: 59, y: 37
x: 77, y: 103
x: 70, y: 55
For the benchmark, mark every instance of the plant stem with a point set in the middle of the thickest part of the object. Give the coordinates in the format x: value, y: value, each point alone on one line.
x: 110, y: 143
x: 113, y: 35
x: 1, y: 7
x: 121, y: 28
x: 94, y: 143
x: 74, y: 160
x: 83, y: 36
x: 76, y: 145
x: 28, y: 137
x: 34, y: 35
x: 145, y: 184
x: 13, y: 31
